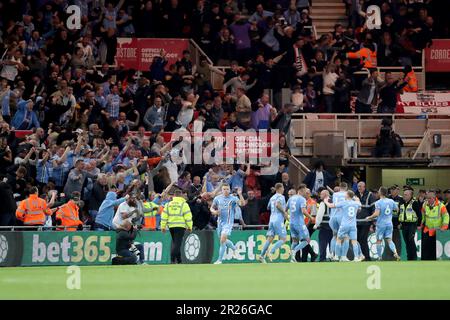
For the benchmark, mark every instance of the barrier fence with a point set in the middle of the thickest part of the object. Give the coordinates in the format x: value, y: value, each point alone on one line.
x: 29, y: 248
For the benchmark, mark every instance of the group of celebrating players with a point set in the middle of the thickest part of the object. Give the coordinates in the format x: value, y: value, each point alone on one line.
x: 343, y: 209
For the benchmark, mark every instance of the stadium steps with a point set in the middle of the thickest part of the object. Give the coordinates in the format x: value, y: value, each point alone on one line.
x: 327, y: 13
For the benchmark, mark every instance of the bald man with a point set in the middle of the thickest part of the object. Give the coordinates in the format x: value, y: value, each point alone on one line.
x: 367, y: 199
x: 127, y: 251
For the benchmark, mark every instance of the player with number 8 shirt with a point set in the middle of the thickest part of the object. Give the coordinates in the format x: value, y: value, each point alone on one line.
x: 347, y: 228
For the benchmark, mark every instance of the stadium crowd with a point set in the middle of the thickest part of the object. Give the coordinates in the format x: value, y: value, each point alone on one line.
x: 81, y: 160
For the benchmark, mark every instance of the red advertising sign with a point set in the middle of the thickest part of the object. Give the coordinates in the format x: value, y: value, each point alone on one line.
x: 437, y: 56
x: 138, y: 53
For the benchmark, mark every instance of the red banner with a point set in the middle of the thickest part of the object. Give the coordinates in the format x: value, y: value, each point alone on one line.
x: 437, y: 56
x: 138, y: 53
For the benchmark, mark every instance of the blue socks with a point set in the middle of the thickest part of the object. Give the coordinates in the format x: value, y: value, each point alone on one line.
x: 264, y: 249
x: 333, y: 246
x: 293, y: 245
x: 356, y: 250
x: 379, y: 250
x: 338, y: 250
x: 222, y: 249
x: 301, y: 245
x: 345, y: 246
x: 230, y: 245
x: 277, y: 245
x: 392, y: 247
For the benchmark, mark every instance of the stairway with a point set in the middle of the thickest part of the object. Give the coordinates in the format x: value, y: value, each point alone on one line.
x: 326, y: 13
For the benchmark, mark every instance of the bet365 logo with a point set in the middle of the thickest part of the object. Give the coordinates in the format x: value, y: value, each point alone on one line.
x: 74, y: 19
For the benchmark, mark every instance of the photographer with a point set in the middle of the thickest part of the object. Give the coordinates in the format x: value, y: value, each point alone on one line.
x: 389, y: 144
x: 127, y: 252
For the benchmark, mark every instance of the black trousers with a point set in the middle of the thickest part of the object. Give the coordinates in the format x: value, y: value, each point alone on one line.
x: 408, y: 232
x: 362, y: 107
x: 177, y: 237
x: 363, y: 234
x: 134, y: 258
x: 325, y: 236
x: 7, y: 220
x: 308, y: 249
x: 428, y: 247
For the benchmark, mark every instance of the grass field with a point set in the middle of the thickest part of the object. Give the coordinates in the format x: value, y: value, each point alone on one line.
x: 399, y: 280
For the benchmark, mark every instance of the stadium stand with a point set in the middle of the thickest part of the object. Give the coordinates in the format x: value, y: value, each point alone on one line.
x: 91, y: 109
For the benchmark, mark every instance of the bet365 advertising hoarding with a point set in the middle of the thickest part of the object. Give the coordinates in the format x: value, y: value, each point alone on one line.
x: 49, y: 248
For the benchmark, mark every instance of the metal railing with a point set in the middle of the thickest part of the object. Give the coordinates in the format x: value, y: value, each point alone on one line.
x: 419, y: 70
x: 362, y: 130
x: 42, y: 228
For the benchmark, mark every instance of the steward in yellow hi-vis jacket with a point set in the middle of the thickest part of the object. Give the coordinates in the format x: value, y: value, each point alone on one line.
x: 434, y: 217
x: 177, y: 217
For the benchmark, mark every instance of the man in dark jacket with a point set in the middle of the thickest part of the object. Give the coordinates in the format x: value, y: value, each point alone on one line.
x: 318, y: 178
x: 388, y: 94
x: 200, y: 213
x: 252, y: 209
x: 8, y: 207
x: 99, y: 191
x: 127, y: 251
x: 447, y: 199
x: 367, y: 208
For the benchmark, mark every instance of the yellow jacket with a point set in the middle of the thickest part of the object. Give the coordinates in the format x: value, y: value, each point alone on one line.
x: 176, y: 213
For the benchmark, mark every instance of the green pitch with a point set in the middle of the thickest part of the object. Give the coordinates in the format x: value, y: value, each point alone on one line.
x: 398, y: 280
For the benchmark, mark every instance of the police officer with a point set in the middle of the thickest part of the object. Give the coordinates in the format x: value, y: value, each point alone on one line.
x: 322, y: 223
x: 177, y: 217
x: 409, y: 217
x: 395, y: 195
x: 434, y: 216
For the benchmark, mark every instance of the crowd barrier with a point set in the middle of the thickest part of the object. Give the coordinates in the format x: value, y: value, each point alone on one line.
x: 47, y: 248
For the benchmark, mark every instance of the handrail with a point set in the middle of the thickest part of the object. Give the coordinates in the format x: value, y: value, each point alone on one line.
x: 197, y: 47
x: 42, y: 228
x: 394, y: 116
x: 305, y: 168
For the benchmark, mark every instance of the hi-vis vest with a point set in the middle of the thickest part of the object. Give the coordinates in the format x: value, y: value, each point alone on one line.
x: 434, y: 217
x: 366, y: 57
x: 311, y: 206
x: 150, y: 211
x: 407, y: 213
x: 32, y: 211
x: 412, y: 82
x: 176, y: 213
x: 68, y: 214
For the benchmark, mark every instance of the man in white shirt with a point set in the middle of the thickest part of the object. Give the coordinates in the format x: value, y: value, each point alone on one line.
x: 127, y: 210
x: 322, y: 223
